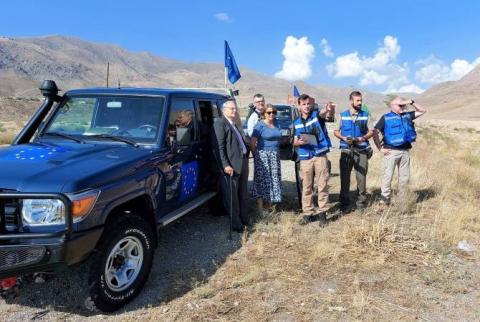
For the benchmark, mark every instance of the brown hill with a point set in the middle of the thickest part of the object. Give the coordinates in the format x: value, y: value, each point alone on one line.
x: 454, y: 100
x: 73, y: 62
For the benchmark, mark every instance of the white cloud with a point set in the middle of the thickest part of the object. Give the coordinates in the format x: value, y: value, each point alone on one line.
x: 298, y: 53
x: 379, y: 69
x: 372, y: 77
x: 410, y: 88
x: 369, y: 68
x: 436, y: 71
x: 384, y: 55
x: 349, y: 65
x: 222, y: 16
x: 326, y: 48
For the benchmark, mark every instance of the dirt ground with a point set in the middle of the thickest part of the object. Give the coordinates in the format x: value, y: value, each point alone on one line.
x: 386, y: 263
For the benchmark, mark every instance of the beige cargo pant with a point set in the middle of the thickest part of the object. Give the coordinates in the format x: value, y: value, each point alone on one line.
x: 396, y: 159
x: 315, y: 168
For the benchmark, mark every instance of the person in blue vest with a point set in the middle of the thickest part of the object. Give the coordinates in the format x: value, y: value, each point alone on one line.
x: 355, y: 150
x: 311, y: 139
x: 398, y: 133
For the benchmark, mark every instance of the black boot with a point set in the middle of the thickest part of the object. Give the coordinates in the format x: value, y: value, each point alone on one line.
x: 322, y: 219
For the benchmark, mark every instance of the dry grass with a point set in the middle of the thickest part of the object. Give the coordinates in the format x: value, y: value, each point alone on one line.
x: 8, y: 131
x: 387, y: 263
x: 397, y: 262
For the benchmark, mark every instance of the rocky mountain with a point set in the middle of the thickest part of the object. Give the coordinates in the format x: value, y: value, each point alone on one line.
x: 454, y: 100
x: 73, y: 62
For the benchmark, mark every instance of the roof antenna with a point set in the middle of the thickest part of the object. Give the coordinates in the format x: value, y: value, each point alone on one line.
x: 108, y: 72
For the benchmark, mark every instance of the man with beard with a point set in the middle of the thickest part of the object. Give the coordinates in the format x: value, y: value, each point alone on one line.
x: 353, y: 133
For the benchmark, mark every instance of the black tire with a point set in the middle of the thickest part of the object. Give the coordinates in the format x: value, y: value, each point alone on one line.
x: 134, y: 238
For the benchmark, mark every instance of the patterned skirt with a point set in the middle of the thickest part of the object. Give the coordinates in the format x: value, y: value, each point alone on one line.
x: 267, y: 178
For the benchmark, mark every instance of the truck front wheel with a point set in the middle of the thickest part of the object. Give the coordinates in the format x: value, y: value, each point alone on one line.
x: 122, y: 263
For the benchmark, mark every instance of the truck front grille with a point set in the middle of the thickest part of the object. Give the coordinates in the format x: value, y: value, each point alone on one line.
x: 11, y: 257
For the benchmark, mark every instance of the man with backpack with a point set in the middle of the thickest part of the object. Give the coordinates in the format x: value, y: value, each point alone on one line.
x: 254, y: 113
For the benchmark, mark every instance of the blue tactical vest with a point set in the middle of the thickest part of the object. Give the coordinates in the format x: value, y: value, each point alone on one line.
x: 399, y: 129
x: 312, y: 126
x: 354, y: 126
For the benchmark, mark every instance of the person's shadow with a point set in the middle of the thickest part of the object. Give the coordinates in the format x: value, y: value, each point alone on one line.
x: 189, y: 252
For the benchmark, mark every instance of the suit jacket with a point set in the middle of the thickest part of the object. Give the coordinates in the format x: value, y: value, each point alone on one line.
x: 227, y: 149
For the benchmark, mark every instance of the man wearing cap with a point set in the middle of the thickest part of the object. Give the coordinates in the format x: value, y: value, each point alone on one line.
x: 398, y: 132
x: 355, y: 150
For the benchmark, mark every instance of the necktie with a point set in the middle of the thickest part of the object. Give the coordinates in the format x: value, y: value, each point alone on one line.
x: 239, y: 138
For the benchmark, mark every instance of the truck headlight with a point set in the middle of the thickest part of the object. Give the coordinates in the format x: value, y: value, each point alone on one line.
x: 36, y: 212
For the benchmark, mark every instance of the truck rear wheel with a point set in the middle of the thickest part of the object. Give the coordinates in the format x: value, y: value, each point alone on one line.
x: 122, y: 263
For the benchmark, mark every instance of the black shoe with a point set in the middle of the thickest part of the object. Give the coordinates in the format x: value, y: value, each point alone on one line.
x: 344, y: 207
x: 361, y: 207
x: 384, y: 201
x: 239, y: 229
x: 322, y: 219
x: 305, y: 220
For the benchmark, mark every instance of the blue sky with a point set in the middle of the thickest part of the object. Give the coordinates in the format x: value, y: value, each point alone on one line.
x: 374, y: 44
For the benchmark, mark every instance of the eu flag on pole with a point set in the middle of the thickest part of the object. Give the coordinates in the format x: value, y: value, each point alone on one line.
x: 231, y: 66
x: 295, y: 91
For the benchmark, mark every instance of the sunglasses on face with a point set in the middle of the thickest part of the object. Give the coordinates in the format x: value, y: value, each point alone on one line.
x: 271, y: 112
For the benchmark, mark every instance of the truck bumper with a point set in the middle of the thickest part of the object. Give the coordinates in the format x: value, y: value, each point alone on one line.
x: 23, y: 256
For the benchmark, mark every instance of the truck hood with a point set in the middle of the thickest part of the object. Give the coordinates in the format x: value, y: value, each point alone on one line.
x: 67, y: 167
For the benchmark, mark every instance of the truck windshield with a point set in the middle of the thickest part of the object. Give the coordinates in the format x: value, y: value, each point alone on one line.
x: 135, y: 118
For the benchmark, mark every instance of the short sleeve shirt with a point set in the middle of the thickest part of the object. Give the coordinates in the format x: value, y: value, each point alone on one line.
x: 268, y: 138
x: 381, y: 127
x: 354, y: 115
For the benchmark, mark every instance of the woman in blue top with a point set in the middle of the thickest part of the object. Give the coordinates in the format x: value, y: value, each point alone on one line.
x: 265, y: 142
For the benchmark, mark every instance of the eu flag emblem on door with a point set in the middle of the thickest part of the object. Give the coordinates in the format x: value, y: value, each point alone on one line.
x: 189, y: 180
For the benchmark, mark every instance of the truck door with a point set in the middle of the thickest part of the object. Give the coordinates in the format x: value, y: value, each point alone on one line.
x: 207, y: 110
x: 183, y: 183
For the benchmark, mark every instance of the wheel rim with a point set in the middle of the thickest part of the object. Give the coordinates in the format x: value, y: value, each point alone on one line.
x: 124, y: 263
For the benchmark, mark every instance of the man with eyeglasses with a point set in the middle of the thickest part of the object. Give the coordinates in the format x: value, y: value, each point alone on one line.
x: 398, y: 132
x: 231, y: 153
x: 254, y: 117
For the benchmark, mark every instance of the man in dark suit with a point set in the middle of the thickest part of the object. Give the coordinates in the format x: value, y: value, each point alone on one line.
x: 231, y: 154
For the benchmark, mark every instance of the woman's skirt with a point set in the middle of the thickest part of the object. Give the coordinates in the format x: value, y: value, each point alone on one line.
x: 267, y: 178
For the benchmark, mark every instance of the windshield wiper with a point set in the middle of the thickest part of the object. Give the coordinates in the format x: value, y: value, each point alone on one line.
x: 114, y: 138
x: 65, y: 136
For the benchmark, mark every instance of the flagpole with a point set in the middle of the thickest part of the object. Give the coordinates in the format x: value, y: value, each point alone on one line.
x: 226, y: 77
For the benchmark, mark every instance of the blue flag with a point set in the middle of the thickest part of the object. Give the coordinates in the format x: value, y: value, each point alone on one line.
x: 189, y: 180
x: 232, y: 69
x: 295, y: 91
